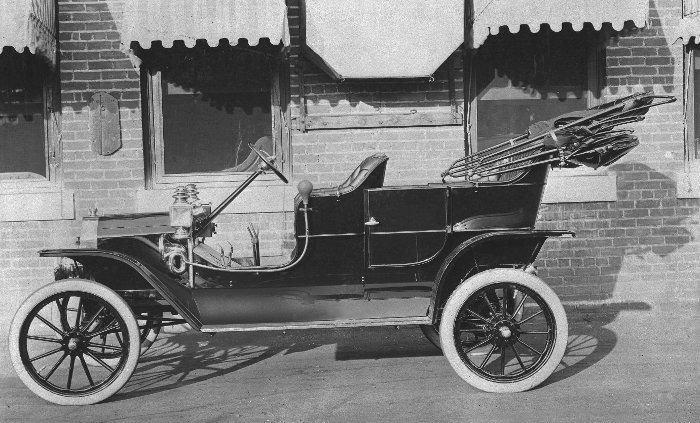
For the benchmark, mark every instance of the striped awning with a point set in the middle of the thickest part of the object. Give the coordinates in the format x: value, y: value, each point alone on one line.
x: 29, y: 24
x: 491, y: 15
x: 412, y: 38
x: 146, y: 21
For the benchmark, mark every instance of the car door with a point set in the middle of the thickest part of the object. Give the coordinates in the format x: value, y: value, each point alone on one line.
x: 405, y: 226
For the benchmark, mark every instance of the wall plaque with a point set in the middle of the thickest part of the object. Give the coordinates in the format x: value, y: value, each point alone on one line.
x: 105, y: 133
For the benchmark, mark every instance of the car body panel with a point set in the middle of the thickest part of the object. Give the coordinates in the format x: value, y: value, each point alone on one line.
x: 392, y: 272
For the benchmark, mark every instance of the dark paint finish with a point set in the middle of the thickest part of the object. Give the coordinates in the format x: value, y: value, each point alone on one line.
x: 408, y: 224
x: 401, y: 268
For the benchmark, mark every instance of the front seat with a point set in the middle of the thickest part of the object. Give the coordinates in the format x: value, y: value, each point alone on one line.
x: 369, y: 174
x: 339, y: 210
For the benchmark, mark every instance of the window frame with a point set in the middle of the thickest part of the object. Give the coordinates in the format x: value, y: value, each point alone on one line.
x: 691, y: 161
x: 601, y: 185
x: 52, y: 144
x: 154, y: 143
x: 688, y: 179
x: 594, y: 89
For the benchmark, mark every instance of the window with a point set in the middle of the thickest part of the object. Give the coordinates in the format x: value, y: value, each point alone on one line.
x: 206, y: 105
x: 693, y: 106
x: 526, y: 77
x: 689, y: 179
x: 26, y: 124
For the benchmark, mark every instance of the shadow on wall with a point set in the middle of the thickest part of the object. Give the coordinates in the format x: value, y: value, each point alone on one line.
x: 645, y: 225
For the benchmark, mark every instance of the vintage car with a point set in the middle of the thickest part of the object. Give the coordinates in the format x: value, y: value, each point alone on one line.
x: 455, y: 257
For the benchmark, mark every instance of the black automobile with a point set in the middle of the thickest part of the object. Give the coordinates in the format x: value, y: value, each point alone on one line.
x: 455, y: 257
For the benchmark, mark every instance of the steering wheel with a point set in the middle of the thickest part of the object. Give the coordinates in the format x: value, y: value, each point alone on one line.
x: 268, y: 164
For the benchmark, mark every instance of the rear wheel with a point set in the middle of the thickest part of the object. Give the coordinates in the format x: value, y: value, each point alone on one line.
x: 52, y: 359
x: 504, y: 330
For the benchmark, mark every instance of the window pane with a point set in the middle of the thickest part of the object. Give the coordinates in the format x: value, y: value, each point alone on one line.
x: 696, y: 102
x: 214, y: 102
x: 22, y: 138
x: 524, y: 78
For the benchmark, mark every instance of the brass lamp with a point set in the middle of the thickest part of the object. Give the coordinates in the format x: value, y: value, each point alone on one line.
x: 181, y: 216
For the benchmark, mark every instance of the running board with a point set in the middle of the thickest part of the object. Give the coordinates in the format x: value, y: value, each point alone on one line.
x: 425, y: 320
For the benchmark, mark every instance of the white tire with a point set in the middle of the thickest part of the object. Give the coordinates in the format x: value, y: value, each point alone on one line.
x: 476, y: 328
x: 68, y: 380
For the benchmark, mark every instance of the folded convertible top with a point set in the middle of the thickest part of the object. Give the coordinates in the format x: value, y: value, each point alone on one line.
x: 582, y: 138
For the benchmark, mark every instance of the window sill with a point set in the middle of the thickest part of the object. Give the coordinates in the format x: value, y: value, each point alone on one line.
x: 580, y: 186
x: 254, y: 199
x: 36, y: 205
x: 688, y: 184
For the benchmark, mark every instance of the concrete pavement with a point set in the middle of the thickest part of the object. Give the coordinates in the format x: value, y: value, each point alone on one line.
x: 625, y: 362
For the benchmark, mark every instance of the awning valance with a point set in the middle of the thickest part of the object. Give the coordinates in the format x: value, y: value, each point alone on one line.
x: 689, y: 28
x: 490, y: 15
x: 382, y: 39
x: 146, y: 21
x: 29, y: 23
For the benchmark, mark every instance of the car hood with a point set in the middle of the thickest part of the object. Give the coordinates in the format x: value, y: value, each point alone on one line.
x: 123, y: 225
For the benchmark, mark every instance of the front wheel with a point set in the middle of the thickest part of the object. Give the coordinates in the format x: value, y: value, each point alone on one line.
x: 52, y: 359
x: 504, y: 330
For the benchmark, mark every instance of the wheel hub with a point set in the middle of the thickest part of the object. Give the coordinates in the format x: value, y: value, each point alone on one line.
x: 505, y: 332
x: 73, y: 344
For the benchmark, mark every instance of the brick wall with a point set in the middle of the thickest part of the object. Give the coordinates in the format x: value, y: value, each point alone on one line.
x: 91, y: 61
x: 644, y: 247
x: 641, y: 248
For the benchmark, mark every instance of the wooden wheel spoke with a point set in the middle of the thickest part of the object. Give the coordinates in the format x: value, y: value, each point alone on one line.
x: 85, y: 369
x: 46, y: 354
x: 488, y: 302
x: 51, y: 325
x: 55, y: 366
x: 78, y: 312
x: 534, y: 332
x: 517, y: 356
x: 105, y: 331
x: 486, y: 360
x: 93, y: 318
x: 102, y: 363
x: 62, y: 313
x: 529, y: 347
x: 105, y: 347
x: 119, y: 338
x: 476, y: 315
x: 45, y: 339
x: 480, y: 344
x: 531, y: 317
x: 70, y: 371
x: 503, y: 360
x: 520, y: 305
x: 504, y: 309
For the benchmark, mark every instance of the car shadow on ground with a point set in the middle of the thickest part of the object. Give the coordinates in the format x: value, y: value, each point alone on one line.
x: 177, y: 360
x: 589, y: 339
x: 183, y: 359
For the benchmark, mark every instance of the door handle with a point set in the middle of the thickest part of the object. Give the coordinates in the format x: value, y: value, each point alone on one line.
x: 371, y: 222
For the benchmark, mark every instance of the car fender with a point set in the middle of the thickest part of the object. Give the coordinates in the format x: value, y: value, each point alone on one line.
x: 518, y: 248
x: 177, y: 295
